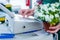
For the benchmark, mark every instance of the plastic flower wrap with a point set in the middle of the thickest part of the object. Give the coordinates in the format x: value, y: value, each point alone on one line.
x: 48, y: 12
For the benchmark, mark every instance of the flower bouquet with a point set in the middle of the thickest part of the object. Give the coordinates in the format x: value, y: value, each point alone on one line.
x: 48, y: 13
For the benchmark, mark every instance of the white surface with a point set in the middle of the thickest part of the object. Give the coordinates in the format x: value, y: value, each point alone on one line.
x: 21, y: 19
x: 40, y: 35
x: 4, y: 29
x: 31, y: 37
x: 30, y: 24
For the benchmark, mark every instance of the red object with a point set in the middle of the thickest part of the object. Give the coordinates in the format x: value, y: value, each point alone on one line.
x: 27, y: 2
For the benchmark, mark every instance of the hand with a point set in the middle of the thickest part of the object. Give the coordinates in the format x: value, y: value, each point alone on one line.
x: 55, y: 28
x: 27, y: 12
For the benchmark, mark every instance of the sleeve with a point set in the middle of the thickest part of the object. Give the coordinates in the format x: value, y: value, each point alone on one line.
x: 39, y: 1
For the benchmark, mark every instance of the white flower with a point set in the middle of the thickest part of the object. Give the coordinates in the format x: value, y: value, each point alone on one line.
x: 50, y: 8
x: 47, y: 18
x: 42, y: 15
x: 45, y: 7
x: 53, y: 5
x: 42, y: 11
x: 53, y: 9
x: 47, y: 10
x: 51, y: 16
x: 37, y: 14
x: 56, y: 15
x: 57, y: 4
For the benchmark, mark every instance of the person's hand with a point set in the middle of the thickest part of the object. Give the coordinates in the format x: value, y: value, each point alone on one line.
x: 26, y: 12
x: 55, y: 29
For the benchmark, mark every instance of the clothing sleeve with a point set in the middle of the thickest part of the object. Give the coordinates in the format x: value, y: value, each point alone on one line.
x: 39, y: 1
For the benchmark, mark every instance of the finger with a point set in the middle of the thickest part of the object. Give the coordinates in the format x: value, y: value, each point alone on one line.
x: 52, y: 27
x: 53, y: 31
x: 25, y: 13
x: 22, y: 12
x: 30, y: 14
